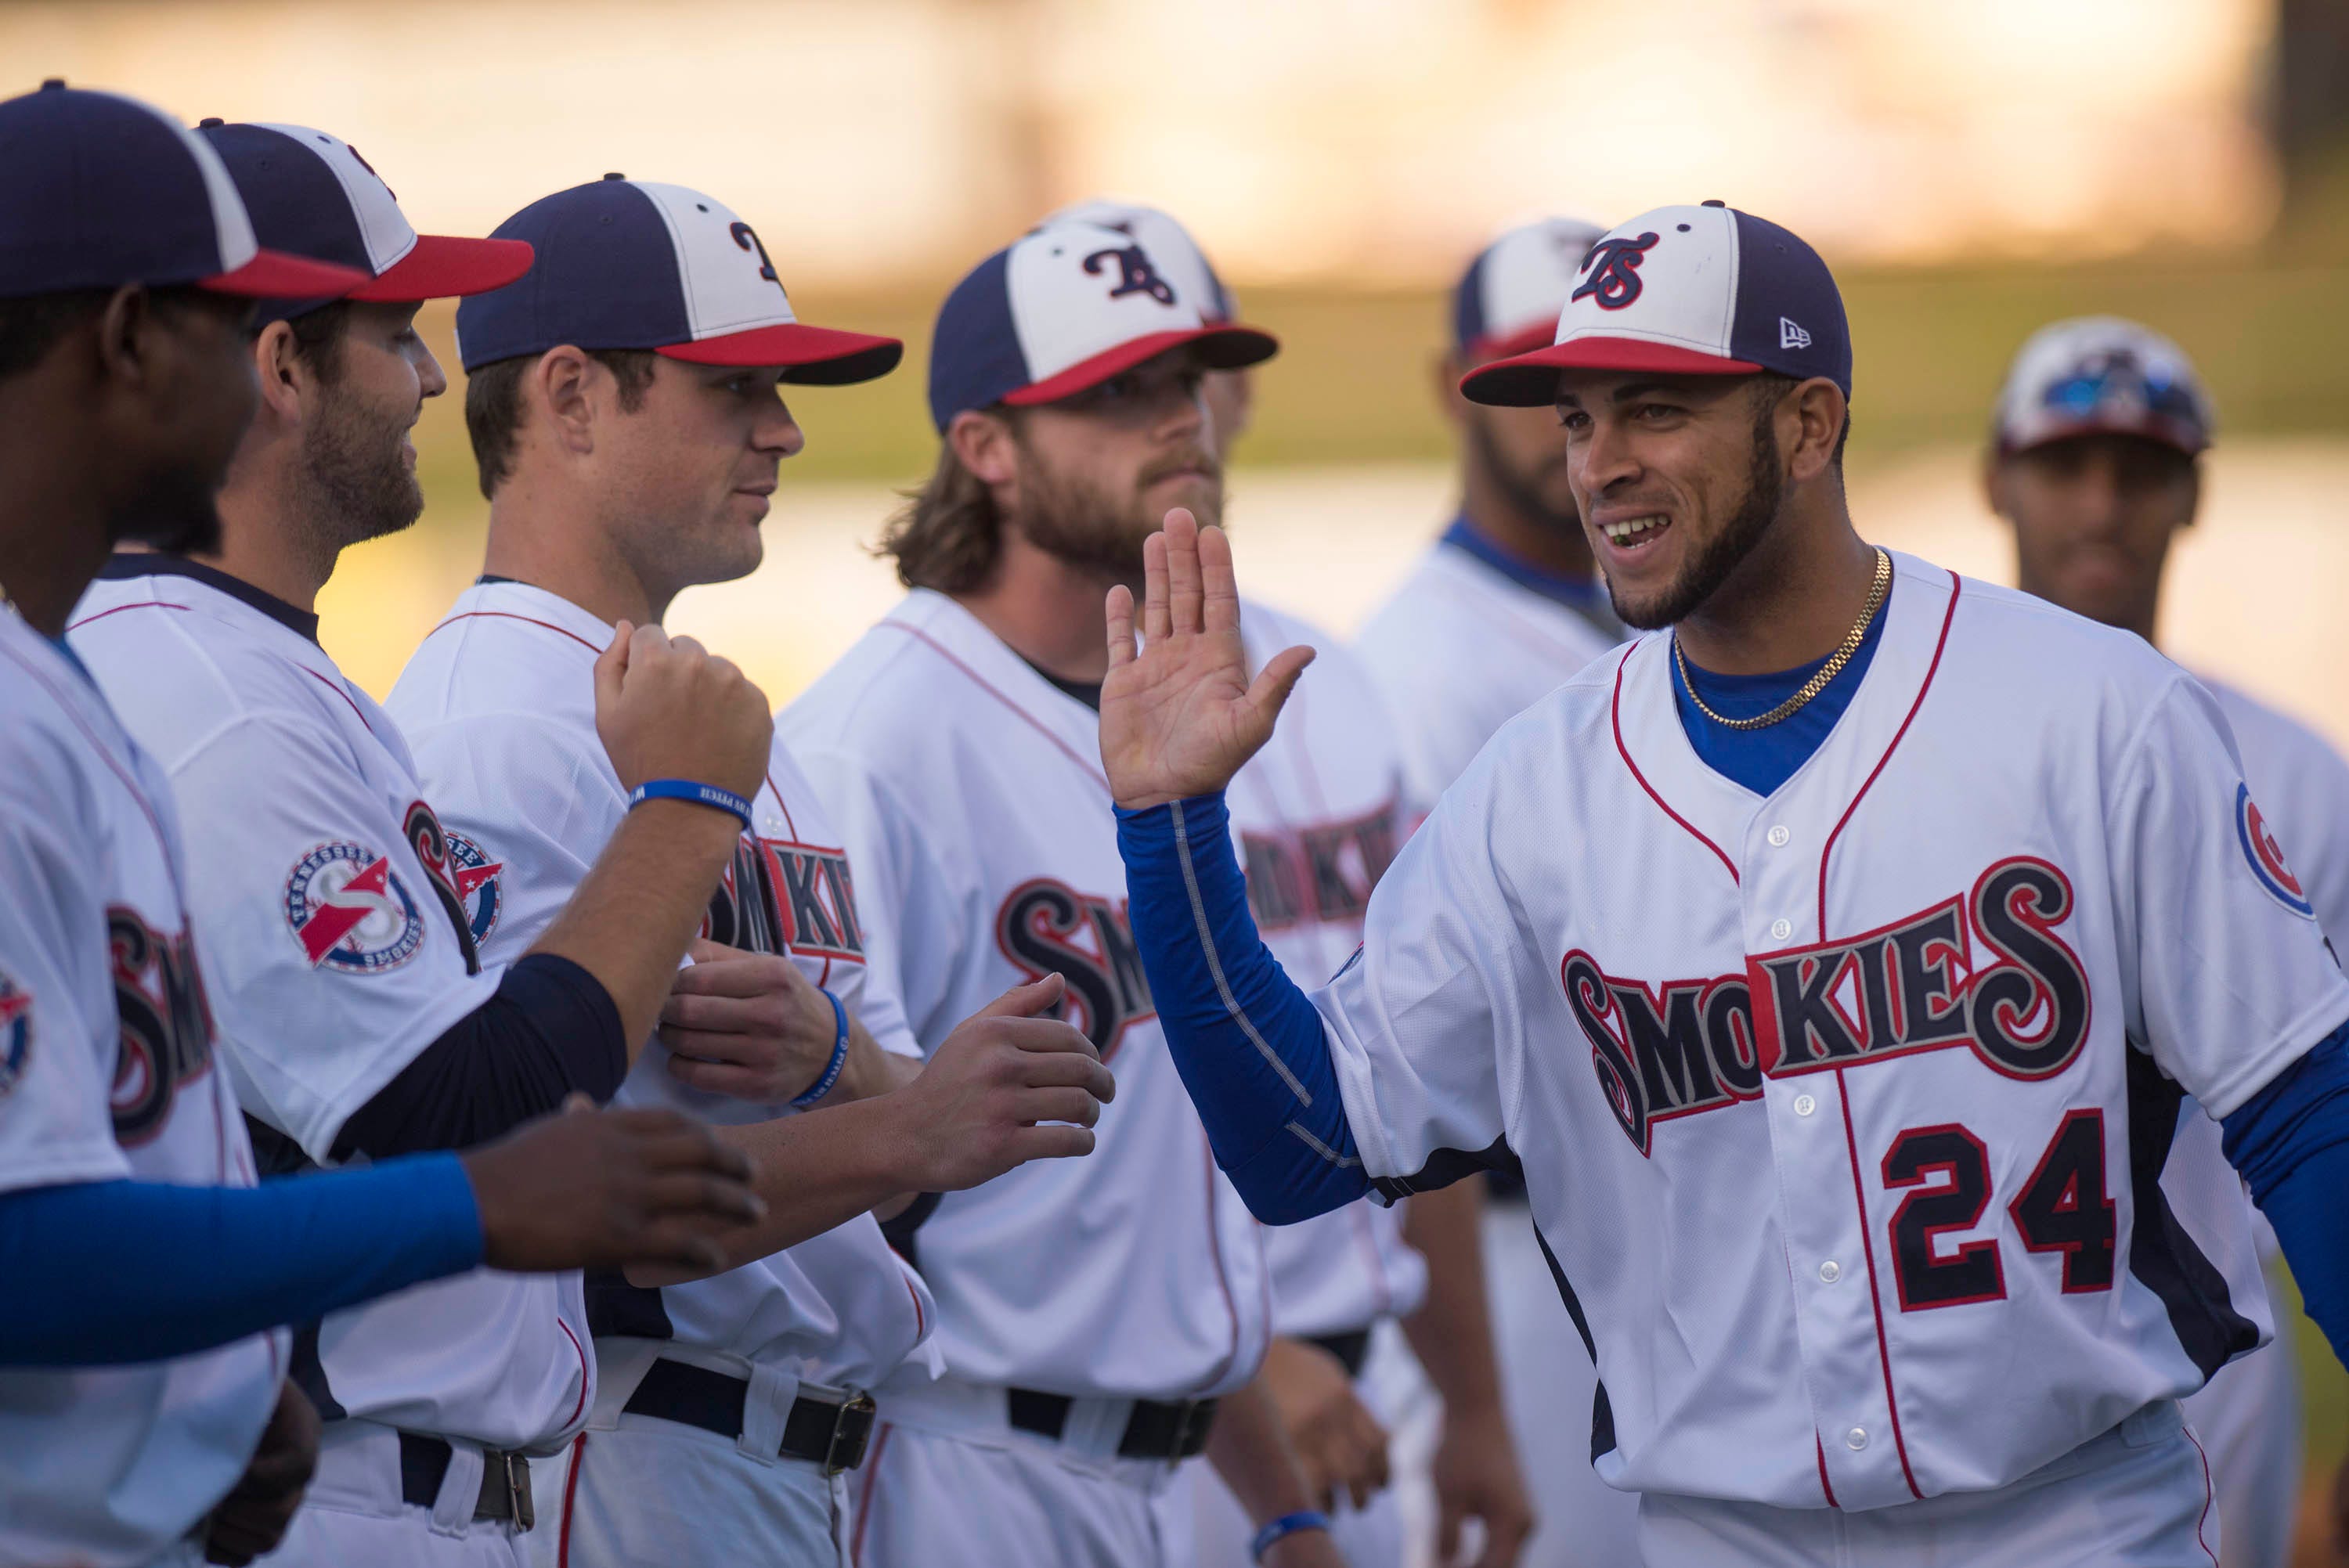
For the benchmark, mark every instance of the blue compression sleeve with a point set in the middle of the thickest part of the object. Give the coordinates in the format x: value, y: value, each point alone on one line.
x: 1248, y: 1043
x: 2291, y: 1141
x: 102, y: 1273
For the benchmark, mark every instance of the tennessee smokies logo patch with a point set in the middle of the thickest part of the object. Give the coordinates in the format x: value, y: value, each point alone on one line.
x: 348, y: 912
x: 1983, y: 971
x: 1613, y: 266
x: 481, y: 885
x: 2267, y: 862
x: 15, y: 1032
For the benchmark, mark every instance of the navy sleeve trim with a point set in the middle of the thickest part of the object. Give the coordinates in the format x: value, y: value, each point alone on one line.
x: 108, y: 1273
x: 549, y: 1031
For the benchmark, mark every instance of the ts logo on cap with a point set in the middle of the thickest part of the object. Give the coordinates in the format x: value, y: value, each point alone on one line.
x: 1616, y: 282
x: 1136, y: 273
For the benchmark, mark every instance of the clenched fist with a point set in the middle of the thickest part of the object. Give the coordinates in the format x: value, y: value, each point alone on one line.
x: 667, y: 708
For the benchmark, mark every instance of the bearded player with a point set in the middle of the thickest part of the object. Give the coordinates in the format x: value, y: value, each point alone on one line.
x: 1833, y: 962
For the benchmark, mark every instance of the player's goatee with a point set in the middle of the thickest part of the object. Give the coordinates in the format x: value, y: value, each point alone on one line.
x: 1718, y: 559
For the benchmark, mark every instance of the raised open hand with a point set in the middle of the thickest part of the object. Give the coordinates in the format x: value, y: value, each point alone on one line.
x: 1179, y: 717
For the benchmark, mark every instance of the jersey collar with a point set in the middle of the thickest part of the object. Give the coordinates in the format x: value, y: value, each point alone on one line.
x: 302, y: 623
x: 1586, y: 596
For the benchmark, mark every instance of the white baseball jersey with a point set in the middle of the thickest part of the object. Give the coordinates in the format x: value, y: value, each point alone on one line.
x: 335, y: 949
x: 499, y: 704
x: 106, y: 1074
x: 1318, y: 815
x: 971, y: 793
x: 1459, y: 650
x: 1841, y: 1109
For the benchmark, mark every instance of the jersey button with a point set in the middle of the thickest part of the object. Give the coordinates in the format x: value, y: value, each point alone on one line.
x: 1830, y: 1271
x: 1779, y: 836
x: 1780, y: 930
x: 1856, y: 1439
x: 1805, y: 1105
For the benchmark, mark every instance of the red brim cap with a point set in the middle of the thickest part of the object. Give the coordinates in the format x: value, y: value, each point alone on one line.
x: 274, y: 274
x: 1220, y: 348
x: 444, y: 266
x: 810, y: 355
x: 1530, y: 380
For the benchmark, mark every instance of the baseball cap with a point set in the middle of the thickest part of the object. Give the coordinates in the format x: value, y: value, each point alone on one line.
x: 634, y: 264
x: 103, y: 190
x: 1065, y: 307
x: 1687, y: 291
x: 1508, y: 300
x: 311, y: 194
x: 1169, y: 244
x: 2099, y: 374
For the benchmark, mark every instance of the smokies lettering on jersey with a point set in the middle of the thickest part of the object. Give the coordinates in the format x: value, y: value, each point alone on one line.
x: 1320, y: 871
x: 1046, y: 927
x: 1673, y: 1049
x: 431, y: 843
x: 167, y: 1028
x: 781, y: 897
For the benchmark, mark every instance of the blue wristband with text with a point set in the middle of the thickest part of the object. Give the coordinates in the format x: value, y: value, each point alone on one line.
x: 699, y: 794
x: 822, y: 1086
x: 1287, y: 1525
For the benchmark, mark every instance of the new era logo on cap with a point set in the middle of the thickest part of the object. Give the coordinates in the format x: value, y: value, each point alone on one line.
x: 102, y: 191
x: 311, y: 194
x: 2101, y: 375
x: 633, y: 263
x: 1063, y: 309
x: 1701, y: 291
x: 1508, y: 299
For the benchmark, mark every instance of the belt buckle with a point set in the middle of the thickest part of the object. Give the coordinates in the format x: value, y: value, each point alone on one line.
x: 523, y: 1512
x: 852, y: 1430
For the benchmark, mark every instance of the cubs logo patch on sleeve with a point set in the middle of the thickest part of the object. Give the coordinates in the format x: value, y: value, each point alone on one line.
x: 349, y: 911
x: 2267, y: 861
x: 15, y: 1032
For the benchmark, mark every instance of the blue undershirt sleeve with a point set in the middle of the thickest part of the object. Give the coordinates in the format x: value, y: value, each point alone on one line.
x: 549, y: 1029
x: 2290, y: 1142
x: 1248, y: 1043
x: 103, y: 1273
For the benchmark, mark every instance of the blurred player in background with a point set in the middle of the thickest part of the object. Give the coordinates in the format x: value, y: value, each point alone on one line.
x: 358, y: 1019
x: 1500, y: 610
x: 144, y: 1414
x: 625, y: 411
x: 2096, y: 462
x: 1342, y: 1281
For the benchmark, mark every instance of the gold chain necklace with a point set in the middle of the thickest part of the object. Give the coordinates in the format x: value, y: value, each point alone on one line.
x: 1817, y: 683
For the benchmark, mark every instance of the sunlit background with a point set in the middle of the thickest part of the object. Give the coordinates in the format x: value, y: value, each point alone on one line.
x: 1972, y: 170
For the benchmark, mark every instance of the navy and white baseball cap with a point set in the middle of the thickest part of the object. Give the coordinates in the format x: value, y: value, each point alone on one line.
x: 1508, y: 300
x: 1169, y: 244
x: 2099, y: 375
x: 1065, y: 307
x: 632, y: 264
x: 311, y: 194
x: 103, y: 190
x: 1687, y: 291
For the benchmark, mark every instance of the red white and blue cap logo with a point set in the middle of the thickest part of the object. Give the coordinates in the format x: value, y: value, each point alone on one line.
x: 1508, y: 300
x: 1063, y: 309
x: 311, y: 194
x: 103, y: 190
x: 2266, y: 857
x: 2099, y: 375
x: 15, y: 1032
x: 349, y: 911
x: 633, y: 263
x: 1686, y: 291
x: 1169, y: 245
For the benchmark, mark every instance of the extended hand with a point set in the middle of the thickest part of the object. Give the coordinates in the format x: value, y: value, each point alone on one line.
x: 1179, y: 718
x: 1475, y: 1474
x: 1339, y: 1443
x: 1005, y: 1088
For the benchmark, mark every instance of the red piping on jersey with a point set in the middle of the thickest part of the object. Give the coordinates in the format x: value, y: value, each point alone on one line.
x: 337, y: 690
x: 1615, y: 715
x: 510, y: 615
x: 1843, y: 1091
x: 584, y: 1376
x: 864, y: 1492
x: 570, y: 1494
x: 2204, y: 1517
x: 990, y: 688
x: 140, y: 605
x: 1824, y: 1485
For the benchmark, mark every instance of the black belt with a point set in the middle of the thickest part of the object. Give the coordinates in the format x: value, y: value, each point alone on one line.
x: 505, y: 1479
x: 1350, y: 1349
x: 1154, y: 1430
x: 827, y: 1427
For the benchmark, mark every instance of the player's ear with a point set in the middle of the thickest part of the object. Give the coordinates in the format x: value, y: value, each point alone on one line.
x: 984, y: 444
x: 558, y: 383
x: 1995, y: 486
x: 1449, y: 367
x: 281, y: 376
x: 1818, y: 407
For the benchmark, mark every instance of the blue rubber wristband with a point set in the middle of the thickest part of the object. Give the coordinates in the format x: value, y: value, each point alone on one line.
x: 699, y: 794
x: 1287, y: 1525
x: 822, y: 1086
